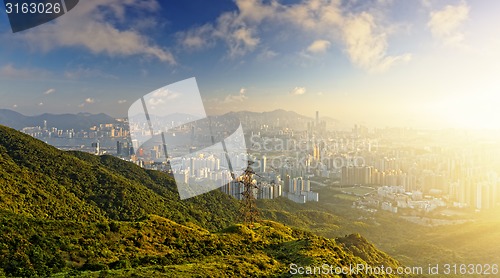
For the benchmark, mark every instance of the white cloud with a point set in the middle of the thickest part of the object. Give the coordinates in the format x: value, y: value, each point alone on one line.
x: 10, y: 71
x: 197, y: 38
x: 156, y: 101
x: 81, y: 72
x: 297, y: 91
x: 165, y: 94
x: 255, y: 10
x: 363, y: 35
x: 266, y: 54
x: 87, y: 101
x: 88, y: 25
x: 318, y: 46
x: 14, y: 106
x: 426, y: 3
x: 367, y: 46
x: 242, y: 41
x: 162, y: 96
x: 49, y: 91
x: 445, y: 24
x: 40, y: 104
x: 122, y: 101
x: 229, y: 28
x: 237, y: 36
x: 236, y: 98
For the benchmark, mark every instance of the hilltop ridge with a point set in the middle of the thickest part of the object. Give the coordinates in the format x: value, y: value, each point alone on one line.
x: 82, y: 215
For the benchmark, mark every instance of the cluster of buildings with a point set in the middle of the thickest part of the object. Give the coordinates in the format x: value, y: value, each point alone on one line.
x: 299, y: 190
x: 101, y: 131
x: 392, y: 198
x: 262, y: 190
x: 453, y: 167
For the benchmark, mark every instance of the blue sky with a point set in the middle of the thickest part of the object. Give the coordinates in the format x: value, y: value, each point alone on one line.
x: 381, y: 62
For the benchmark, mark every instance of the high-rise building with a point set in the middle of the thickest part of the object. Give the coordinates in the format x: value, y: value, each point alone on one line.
x: 154, y: 154
x: 97, y: 147
x: 287, y: 183
x: 263, y: 163
x: 266, y: 191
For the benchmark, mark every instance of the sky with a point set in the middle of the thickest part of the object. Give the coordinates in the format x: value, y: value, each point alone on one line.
x: 420, y: 63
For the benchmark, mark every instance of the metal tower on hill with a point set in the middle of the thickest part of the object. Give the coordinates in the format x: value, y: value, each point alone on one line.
x: 248, y: 209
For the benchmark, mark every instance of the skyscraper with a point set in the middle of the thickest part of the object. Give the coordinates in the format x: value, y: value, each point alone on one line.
x: 263, y: 165
x: 317, y: 118
x: 118, y: 148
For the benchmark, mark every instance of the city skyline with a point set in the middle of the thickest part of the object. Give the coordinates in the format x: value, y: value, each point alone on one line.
x: 379, y: 63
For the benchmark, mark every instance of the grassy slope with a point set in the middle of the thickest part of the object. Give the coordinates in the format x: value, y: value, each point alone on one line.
x: 79, y: 214
x: 475, y: 242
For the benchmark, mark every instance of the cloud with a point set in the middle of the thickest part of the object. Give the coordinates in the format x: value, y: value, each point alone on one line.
x: 122, y: 101
x: 49, y: 91
x: 426, y: 3
x: 197, y: 38
x: 445, y: 24
x: 236, y: 98
x: 40, y: 104
x: 297, y: 91
x: 165, y: 94
x: 14, y: 106
x: 241, y: 41
x: 362, y: 34
x: 87, y: 101
x: 229, y: 28
x: 156, y: 101
x: 318, y: 46
x: 162, y: 96
x: 81, y: 72
x: 92, y: 24
x: 367, y: 46
x: 266, y: 54
x: 10, y: 71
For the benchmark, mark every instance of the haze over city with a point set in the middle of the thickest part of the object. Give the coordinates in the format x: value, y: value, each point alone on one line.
x: 426, y: 64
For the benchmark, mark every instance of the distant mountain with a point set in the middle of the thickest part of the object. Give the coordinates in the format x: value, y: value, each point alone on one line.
x: 80, y: 121
x: 83, y: 121
x: 13, y: 119
x: 78, y: 215
x: 278, y: 117
x: 275, y: 114
x: 174, y: 117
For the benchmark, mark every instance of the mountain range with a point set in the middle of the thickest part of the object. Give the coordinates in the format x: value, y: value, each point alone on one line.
x: 80, y: 121
x: 75, y: 214
x: 83, y: 121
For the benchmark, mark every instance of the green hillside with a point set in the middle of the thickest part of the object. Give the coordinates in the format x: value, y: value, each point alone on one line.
x: 68, y: 214
x: 474, y: 242
x: 40, y: 181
